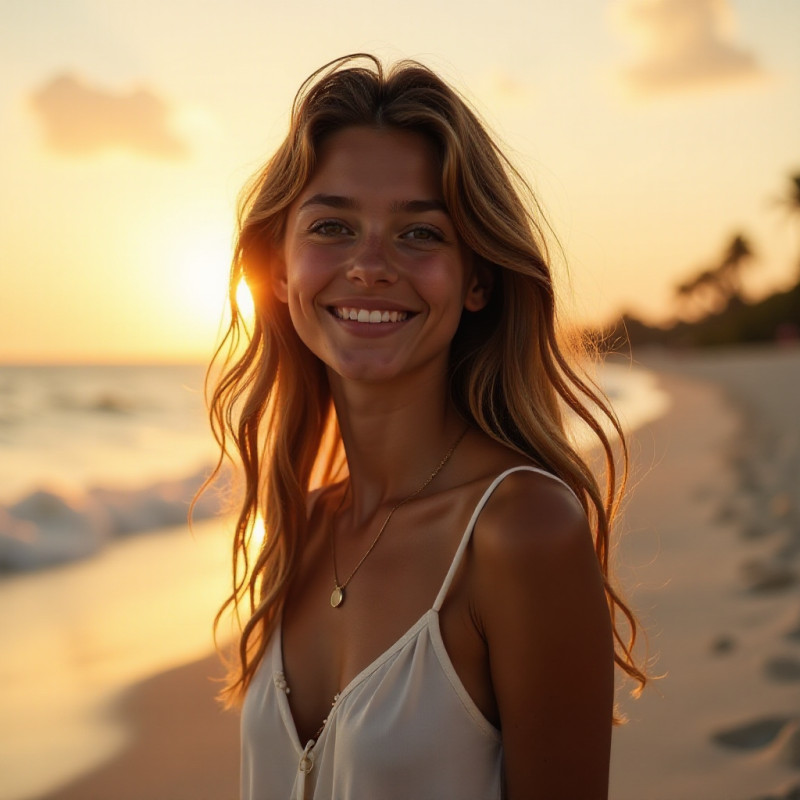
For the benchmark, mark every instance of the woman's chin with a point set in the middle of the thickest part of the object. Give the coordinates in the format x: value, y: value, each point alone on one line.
x: 365, y: 372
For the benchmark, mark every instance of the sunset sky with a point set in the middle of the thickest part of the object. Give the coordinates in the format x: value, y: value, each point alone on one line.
x: 652, y: 130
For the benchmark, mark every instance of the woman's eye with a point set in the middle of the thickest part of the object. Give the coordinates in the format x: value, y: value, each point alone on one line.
x: 328, y: 227
x: 423, y: 234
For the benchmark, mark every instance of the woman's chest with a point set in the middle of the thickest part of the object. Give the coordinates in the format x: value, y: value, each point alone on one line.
x: 324, y: 648
x: 404, y: 728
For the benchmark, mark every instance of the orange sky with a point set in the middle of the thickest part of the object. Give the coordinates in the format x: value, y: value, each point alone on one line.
x: 652, y: 130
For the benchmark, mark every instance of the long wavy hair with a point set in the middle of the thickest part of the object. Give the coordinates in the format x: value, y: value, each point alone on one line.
x: 510, y: 372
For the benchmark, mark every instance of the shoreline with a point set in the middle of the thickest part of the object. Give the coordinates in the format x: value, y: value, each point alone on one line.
x: 721, y: 724
x: 182, y: 744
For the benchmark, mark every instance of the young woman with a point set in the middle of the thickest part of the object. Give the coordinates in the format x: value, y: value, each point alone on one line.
x: 429, y: 614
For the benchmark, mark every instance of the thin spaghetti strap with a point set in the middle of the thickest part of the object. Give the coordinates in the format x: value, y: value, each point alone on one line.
x: 473, y: 519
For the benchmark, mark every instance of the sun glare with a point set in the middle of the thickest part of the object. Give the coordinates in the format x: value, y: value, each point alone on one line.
x: 199, y: 277
x: 245, y: 301
x: 256, y: 536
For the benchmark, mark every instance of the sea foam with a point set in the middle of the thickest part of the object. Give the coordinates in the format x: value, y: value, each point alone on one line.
x: 46, y: 527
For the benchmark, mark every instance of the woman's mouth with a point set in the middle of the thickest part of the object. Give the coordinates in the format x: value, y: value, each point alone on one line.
x: 371, y: 316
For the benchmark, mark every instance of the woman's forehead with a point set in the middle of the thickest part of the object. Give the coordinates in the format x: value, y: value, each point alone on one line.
x: 377, y: 161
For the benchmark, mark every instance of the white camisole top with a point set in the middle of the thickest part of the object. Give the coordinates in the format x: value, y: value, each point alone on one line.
x: 404, y: 727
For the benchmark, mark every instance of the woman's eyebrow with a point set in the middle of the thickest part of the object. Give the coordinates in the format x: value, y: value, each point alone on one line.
x: 330, y: 200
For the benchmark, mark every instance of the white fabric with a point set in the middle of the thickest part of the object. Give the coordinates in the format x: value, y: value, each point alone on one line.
x: 405, y: 727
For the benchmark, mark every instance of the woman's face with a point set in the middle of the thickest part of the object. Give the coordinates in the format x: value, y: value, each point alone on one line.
x: 373, y: 271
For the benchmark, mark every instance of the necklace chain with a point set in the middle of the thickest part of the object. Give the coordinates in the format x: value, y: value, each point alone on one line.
x: 337, y: 596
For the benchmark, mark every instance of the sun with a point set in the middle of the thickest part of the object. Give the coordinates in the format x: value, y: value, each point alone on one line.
x: 194, y: 291
x: 200, y: 276
x: 199, y: 271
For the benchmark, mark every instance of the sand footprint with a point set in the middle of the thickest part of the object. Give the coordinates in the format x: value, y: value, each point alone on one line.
x: 792, y: 793
x: 786, y: 747
x: 723, y: 644
x: 767, y: 576
x: 753, y: 735
x: 783, y: 668
x: 793, y: 634
x: 780, y: 736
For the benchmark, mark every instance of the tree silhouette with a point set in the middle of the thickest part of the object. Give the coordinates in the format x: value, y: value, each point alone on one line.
x: 791, y: 202
x: 701, y: 294
x: 729, y: 271
x: 714, y: 288
x: 792, y: 198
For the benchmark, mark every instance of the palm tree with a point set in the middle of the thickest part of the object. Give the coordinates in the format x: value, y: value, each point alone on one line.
x: 791, y: 200
x: 792, y: 197
x: 712, y: 289
x: 700, y: 295
x: 729, y: 271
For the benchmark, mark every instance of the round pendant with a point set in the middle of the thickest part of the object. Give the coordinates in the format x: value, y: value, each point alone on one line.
x: 337, y: 596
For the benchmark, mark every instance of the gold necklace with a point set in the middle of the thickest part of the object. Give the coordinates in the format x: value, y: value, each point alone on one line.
x: 337, y: 595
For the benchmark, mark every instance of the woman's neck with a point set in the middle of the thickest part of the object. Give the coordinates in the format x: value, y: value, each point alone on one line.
x: 394, y: 438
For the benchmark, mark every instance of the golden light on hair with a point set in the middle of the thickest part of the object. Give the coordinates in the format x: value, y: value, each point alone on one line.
x: 257, y: 534
x: 244, y: 299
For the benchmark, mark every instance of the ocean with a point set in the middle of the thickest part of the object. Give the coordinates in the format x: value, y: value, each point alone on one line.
x: 102, y: 584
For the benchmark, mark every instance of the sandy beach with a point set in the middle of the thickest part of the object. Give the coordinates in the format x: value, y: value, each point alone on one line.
x: 182, y: 746
x: 709, y: 558
x: 712, y: 533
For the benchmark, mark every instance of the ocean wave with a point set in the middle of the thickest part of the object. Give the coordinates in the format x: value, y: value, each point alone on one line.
x: 46, y: 528
x: 103, y: 402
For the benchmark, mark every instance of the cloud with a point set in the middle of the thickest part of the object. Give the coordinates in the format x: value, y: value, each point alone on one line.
x: 508, y: 87
x: 80, y: 119
x: 683, y: 44
x: 502, y: 89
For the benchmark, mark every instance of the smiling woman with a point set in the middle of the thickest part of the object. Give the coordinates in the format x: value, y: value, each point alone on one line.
x: 430, y: 609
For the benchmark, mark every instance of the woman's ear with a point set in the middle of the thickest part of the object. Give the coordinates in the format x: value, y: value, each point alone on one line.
x: 479, y: 288
x: 280, y: 287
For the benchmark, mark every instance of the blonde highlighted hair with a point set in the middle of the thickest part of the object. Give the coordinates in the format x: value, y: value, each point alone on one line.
x: 510, y: 375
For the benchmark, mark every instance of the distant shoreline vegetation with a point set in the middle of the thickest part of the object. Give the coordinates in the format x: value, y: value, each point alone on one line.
x: 773, y: 319
x: 712, y: 305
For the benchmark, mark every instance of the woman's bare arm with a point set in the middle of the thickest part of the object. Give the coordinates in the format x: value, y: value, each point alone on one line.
x: 540, y: 604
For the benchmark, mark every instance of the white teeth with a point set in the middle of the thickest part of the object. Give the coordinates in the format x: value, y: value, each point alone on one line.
x: 372, y: 317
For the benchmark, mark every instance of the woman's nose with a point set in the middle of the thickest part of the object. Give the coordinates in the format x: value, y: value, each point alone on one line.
x: 371, y: 264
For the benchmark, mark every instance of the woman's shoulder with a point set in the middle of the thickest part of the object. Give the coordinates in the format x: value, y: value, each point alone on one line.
x: 531, y: 513
x: 531, y: 529
x: 533, y: 547
x: 527, y: 507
